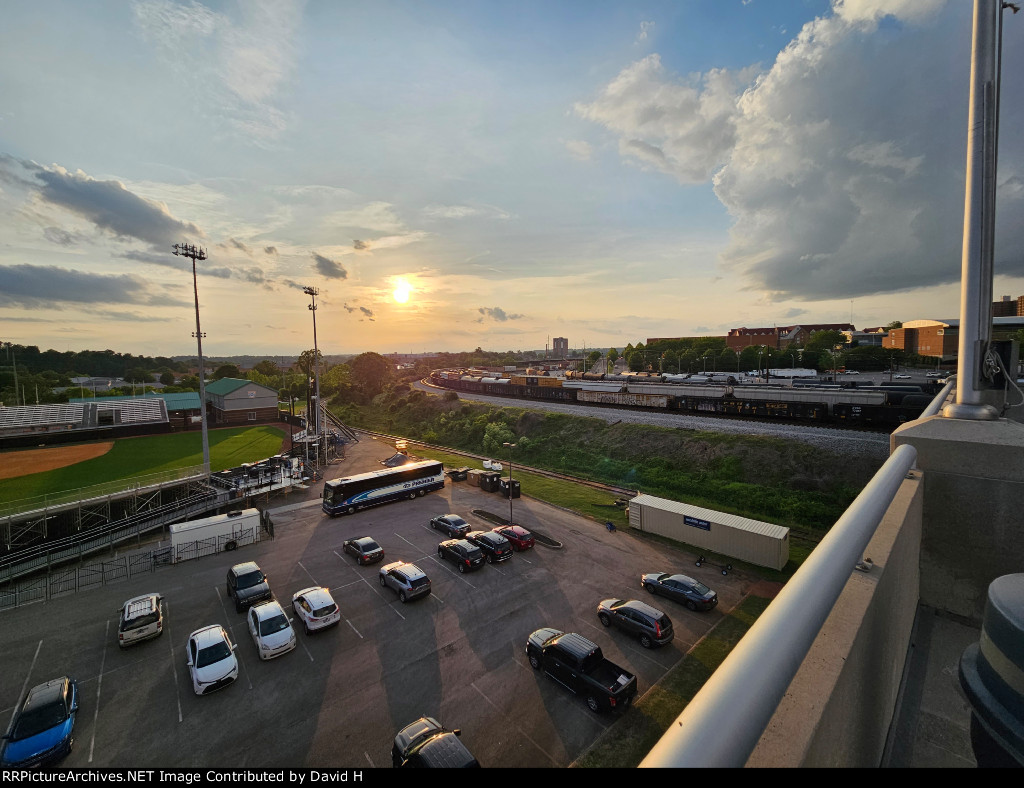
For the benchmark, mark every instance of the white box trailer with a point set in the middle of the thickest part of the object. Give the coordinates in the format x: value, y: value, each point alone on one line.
x: 753, y: 541
x: 221, y: 532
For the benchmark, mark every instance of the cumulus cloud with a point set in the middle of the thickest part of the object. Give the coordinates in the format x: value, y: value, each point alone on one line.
x: 645, y: 29
x: 842, y: 179
x: 579, y: 149
x: 327, y: 267
x: 56, y: 235
x: 108, y: 205
x: 42, y: 285
x: 497, y: 314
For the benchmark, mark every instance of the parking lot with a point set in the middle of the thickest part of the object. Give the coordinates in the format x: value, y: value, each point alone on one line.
x: 339, y: 698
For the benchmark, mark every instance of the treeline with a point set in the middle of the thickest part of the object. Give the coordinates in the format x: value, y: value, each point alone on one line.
x: 92, y: 363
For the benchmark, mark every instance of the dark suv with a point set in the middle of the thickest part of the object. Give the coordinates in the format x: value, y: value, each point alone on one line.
x: 425, y: 743
x: 495, y: 546
x: 461, y: 552
x: 247, y: 585
x: 647, y: 623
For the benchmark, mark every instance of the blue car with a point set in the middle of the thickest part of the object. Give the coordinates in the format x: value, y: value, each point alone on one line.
x: 40, y: 733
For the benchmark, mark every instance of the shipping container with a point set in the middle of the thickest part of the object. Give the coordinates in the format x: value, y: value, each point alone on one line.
x: 614, y: 398
x: 753, y: 541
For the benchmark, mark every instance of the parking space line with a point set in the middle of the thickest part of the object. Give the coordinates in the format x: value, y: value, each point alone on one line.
x: 378, y: 593
x: 174, y: 669
x: 99, y: 683
x: 524, y: 733
x: 231, y: 627
x: 25, y: 685
x: 372, y: 765
x: 495, y: 568
x: 307, y: 572
x: 354, y: 629
x: 525, y: 559
x: 464, y: 580
x: 435, y: 596
x: 338, y: 588
x: 408, y: 542
x: 305, y: 649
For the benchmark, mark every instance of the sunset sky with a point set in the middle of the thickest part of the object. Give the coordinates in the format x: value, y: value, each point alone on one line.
x: 455, y: 174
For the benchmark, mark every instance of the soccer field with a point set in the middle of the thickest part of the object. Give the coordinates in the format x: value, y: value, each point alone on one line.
x: 143, y: 455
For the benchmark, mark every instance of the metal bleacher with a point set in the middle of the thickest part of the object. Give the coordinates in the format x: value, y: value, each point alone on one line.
x: 85, y: 415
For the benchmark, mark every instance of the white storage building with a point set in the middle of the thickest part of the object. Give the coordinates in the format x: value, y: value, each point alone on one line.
x: 753, y: 541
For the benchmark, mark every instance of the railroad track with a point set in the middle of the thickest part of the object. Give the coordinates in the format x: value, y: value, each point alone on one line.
x: 620, y: 491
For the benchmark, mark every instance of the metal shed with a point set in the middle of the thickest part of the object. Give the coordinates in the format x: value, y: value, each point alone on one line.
x: 753, y: 541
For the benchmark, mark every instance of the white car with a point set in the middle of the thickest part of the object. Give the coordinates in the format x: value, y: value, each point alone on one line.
x: 211, y: 659
x: 315, y: 608
x: 902, y: 377
x: 271, y: 630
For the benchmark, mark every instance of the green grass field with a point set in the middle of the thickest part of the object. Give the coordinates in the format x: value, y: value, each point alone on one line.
x: 130, y: 457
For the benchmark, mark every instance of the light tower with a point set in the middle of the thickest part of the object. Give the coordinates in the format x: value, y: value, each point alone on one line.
x: 187, y: 250
x: 312, y: 292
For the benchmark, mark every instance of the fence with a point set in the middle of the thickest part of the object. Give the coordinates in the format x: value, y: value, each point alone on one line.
x: 70, y: 580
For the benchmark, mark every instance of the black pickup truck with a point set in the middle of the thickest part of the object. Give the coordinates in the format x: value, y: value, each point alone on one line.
x: 578, y: 664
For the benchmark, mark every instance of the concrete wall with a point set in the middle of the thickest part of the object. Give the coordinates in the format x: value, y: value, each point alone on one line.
x: 838, y: 708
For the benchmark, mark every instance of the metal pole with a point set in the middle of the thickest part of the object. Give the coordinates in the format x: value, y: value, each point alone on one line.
x: 186, y: 250
x: 313, y: 292
x: 510, y: 447
x: 976, y: 364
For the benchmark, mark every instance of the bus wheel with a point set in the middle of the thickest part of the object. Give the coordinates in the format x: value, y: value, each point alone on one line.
x: 421, y: 492
x: 350, y: 510
x: 412, y: 496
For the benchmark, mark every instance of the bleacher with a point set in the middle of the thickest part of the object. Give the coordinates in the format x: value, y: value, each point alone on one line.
x: 29, y: 419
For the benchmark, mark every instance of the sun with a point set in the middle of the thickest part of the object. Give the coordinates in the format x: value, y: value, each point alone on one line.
x: 402, y: 290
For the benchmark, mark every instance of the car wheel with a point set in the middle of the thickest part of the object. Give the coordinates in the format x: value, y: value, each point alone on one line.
x: 648, y: 588
x: 691, y: 606
x: 305, y: 626
x: 382, y: 581
x: 645, y: 641
x: 401, y: 597
x: 698, y: 563
x: 462, y: 569
x: 238, y: 606
x: 605, y: 620
x: 593, y: 704
x: 534, y: 662
x: 440, y: 553
x: 490, y: 559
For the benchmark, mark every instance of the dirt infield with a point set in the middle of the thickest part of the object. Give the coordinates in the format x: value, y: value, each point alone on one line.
x: 22, y: 463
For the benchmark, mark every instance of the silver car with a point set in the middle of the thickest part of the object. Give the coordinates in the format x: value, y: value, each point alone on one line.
x: 407, y: 580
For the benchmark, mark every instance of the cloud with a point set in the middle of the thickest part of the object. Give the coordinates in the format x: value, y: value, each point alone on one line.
x: 579, y: 149
x: 329, y: 268
x: 349, y: 309
x: 365, y: 311
x: 271, y: 250
x: 841, y: 180
x: 234, y: 243
x: 108, y: 205
x: 176, y: 262
x: 497, y: 314
x: 61, y: 237
x: 375, y: 216
x: 357, y: 244
x: 36, y: 286
x: 645, y: 29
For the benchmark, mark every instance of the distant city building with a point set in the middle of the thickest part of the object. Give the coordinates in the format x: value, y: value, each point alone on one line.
x: 780, y: 337
x: 1008, y: 307
x: 862, y: 338
x: 560, y: 347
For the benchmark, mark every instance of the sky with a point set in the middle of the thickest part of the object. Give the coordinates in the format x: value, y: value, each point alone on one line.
x: 454, y: 174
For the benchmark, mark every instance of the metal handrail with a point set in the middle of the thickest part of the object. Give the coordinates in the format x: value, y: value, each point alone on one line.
x: 723, y: 723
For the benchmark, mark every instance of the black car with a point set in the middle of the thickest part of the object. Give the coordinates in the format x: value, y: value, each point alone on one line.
x: 495, y: 546
x: 464, y: 554
x: 692, y: 593
x: 247, y: 585
x: 364, y: 550
x: 425, y: 743
x: 647, y: 623
x: 451, y: 524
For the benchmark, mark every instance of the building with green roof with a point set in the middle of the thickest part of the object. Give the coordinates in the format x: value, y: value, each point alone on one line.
x: 236, y: 401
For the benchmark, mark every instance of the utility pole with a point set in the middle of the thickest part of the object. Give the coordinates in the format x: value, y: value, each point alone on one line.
x: 190, y: 251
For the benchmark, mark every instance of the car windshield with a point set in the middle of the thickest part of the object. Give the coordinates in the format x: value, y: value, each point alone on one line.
x: 140, y: 621
x: 369, y: 546
x: 39, y: 719
x: 419, y: 582
x: 213, y: 654
x: 250, y: 579
x: 326, y: 610
x: 269, y: 626
x: 453, y: 521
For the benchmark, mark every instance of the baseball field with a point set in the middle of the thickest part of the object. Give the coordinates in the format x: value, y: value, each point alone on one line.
x: 27, y: 473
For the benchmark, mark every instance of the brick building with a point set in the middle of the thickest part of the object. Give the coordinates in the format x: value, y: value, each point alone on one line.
x: 780, y: 337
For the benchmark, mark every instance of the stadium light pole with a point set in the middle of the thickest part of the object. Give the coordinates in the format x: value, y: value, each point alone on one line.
x: 190, y: 251
x: 510, y: 447
x: 312, y: 292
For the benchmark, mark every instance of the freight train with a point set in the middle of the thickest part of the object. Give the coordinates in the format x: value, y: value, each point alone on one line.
x: 876, y: 407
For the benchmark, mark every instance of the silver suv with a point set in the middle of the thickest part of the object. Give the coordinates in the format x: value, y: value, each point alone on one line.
x: 140, y: 618
x: 407, y: 580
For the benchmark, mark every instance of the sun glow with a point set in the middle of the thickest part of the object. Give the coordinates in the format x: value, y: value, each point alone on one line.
x: 402, y: 290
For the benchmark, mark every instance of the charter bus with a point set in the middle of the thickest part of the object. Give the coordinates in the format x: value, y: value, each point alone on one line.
x: 345, y: 496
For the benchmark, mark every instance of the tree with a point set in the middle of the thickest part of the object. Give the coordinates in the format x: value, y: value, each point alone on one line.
x: 268, y: 368
x: 337, y: 380
x: 138, y: 375
x: 189, y: 383
x: 226, y: 371
x: 592, y: 358
x: 613, y: 356
x: 894, y: 325
x: 307, y: 361
x: 371, y: 372
x: 825, y: 340
x: 167, y: 378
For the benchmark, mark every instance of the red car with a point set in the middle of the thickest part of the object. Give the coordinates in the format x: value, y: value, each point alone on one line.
x: 520, y: 538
